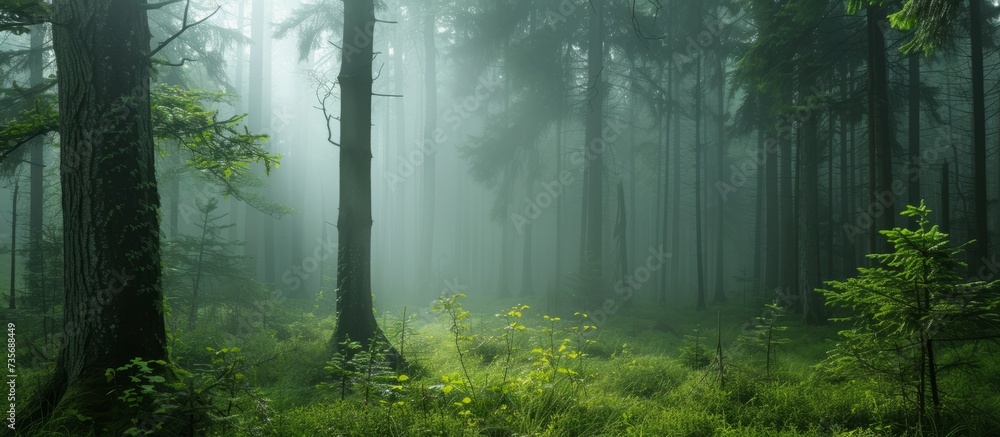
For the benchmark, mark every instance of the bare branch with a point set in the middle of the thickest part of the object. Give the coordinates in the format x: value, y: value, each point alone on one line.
x: 159, y: 5
x: 184, y: 28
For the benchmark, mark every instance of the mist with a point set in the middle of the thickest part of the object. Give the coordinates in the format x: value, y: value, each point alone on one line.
x: 506, y: 218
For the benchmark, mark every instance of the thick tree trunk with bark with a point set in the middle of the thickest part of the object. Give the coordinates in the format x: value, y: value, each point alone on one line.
x: 113, y: 306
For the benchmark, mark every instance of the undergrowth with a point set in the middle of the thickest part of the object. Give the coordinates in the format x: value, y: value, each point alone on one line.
x: 520, y: 372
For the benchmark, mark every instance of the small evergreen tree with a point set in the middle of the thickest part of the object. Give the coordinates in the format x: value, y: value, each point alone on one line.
x: 203, y: 272
x: 910, y: 304
x: 765, y: 334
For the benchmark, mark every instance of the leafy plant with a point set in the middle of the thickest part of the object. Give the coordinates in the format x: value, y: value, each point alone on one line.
x: 449, y: 306
x: 512, y: 326
x: 144, y: 387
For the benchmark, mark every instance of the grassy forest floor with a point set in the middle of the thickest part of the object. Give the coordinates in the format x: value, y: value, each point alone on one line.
x: 648, y: 371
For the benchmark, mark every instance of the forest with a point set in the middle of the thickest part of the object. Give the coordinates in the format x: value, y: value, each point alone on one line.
x: 500, y: 218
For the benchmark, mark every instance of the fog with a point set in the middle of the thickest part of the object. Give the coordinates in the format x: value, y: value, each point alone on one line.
x: 567, y: 217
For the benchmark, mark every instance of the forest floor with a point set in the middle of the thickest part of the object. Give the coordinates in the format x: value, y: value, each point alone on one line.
x: 649, y: 370
x: 646, y: 371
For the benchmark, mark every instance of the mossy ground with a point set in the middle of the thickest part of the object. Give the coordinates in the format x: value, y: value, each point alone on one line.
x: 626, y: 378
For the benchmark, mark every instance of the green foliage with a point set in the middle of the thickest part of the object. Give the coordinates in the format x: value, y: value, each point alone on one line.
x: 693, y: 353
x: 512, y: 326
x: 222, y: 394
x: 313, y: 23
x: 764, y: 335
x: 932, y: 22
x: 340, y: 366
x: 448, y: 306
x: 645, y: 376
x: 354, y: 368
x: 219, y: 151
x: 145, y: 393
x: 560, y: 352
x: 634, y: 391
x: 909, y: 306
x: 203, y: 273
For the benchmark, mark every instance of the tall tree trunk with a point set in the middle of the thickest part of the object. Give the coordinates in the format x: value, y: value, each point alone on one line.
x: 36, y: 262
x: 430, y: 164
x: 235, y: 211
x: 760, y: 245
x: 632, y: 178
x: 789, y: 239
x: 398, y: 280
x: 594, y: 146
x: 504, y: 282
x: 828, y: 236
x: 199, y: 264
x: 881, y: 198
x: 12, y: 301
x: 174, y: 197
x: 355, y: 315
x: 846, y: 189
x: 720, y: 165
x: 527, y: 286
x: 808, y: 182
x: 698, y: 195
x: 913, y: 175
x: 553, y: 300
x: 113, y: 306
x: 979, y: 208
x: 258, y: 116
x: 621, y: 231
x: 772, y: 274
x: 664, y: 222
x: 675, y: 204
x: 945, y: 200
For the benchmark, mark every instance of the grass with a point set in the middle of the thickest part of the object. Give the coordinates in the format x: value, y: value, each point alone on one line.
x: 627, y: 382
x: 562, y: 379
